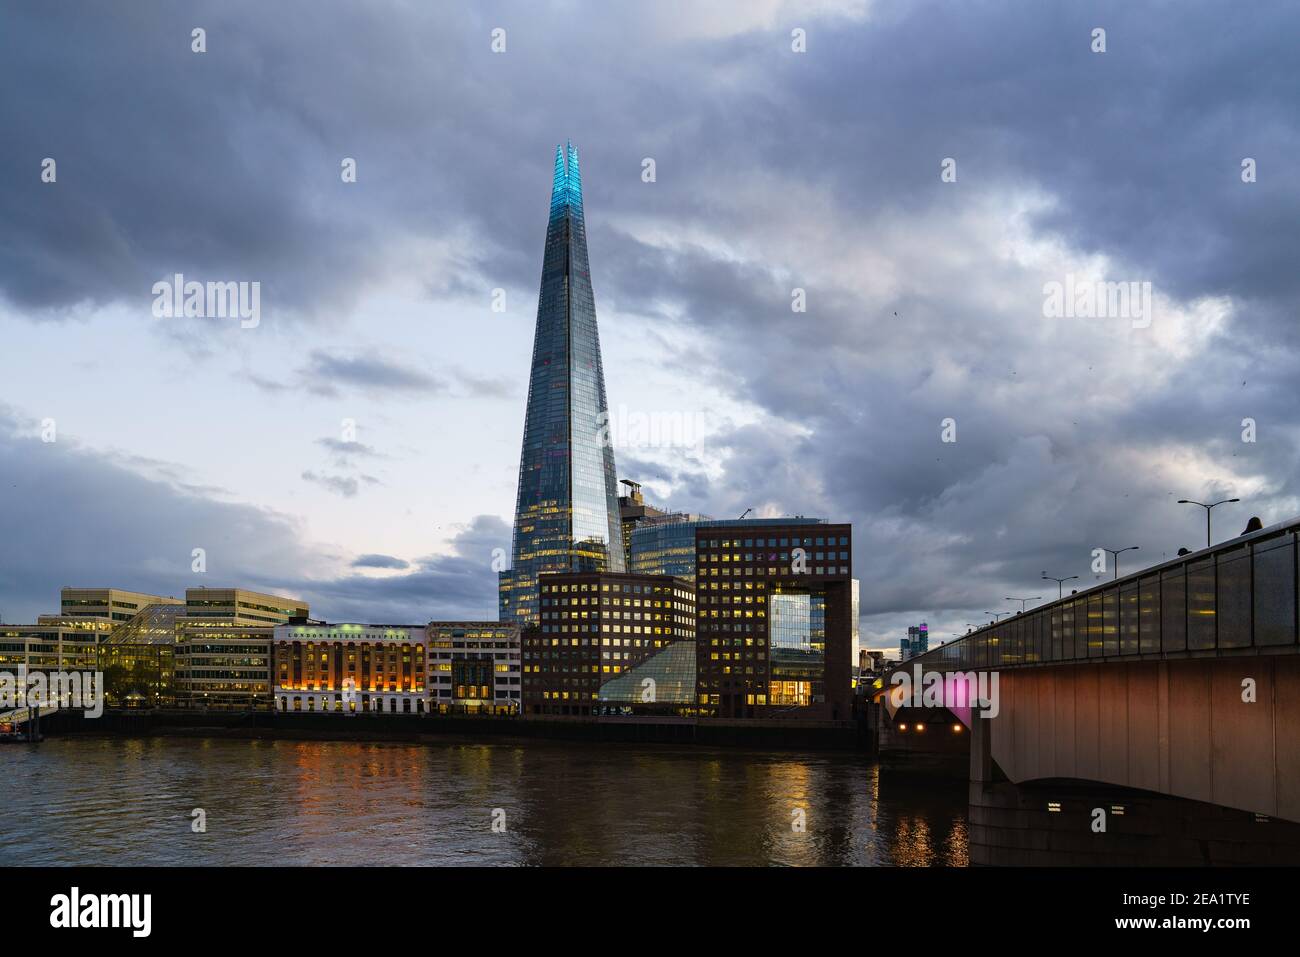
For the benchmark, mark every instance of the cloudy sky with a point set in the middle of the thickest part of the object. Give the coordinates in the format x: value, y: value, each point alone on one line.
x: 359, y: 446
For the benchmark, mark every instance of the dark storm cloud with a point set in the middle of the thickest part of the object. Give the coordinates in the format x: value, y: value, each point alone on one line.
x: 74, y: 500
x: 775, y: 171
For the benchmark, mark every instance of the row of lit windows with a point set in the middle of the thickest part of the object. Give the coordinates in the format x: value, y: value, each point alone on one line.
x: 617, y: 588
x: 819, y: 540
x: 748, y: 557
x: 773, y: 571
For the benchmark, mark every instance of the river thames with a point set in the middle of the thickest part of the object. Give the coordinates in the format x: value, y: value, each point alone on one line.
x: 133, y: 801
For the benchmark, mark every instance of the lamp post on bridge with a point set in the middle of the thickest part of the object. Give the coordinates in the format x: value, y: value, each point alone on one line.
x: 1226, y: 501
x: 1024, y: 600
x: 1060, y: 583
x: 1115, y: 553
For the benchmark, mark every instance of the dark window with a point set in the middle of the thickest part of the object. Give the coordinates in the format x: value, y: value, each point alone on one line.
x: 1233, y: 600
x: 1275, y: 591
x: 1173, y: 609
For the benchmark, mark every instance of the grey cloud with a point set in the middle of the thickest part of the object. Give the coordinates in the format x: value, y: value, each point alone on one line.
x: 346, y: 486
x: 380, y: 561
x: 324, y: 373
x: 345, y: 450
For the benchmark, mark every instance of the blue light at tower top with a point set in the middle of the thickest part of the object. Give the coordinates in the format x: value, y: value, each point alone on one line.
x: 566, y: 190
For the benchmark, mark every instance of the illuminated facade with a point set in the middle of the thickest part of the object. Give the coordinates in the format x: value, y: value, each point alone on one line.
x: 350, y: 668
x: 774, y: 632
x: 665, y: 545
x: 55, y: 644
x: 596, y: 627
x: 223, y: 665
x: 474, y: 666
x: 566, y: 514
x: 211, y: 649
x: 138, y: 659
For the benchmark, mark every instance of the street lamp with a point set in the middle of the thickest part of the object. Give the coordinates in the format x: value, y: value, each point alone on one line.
x: 997, y: 615
x: 1187, y: 501
x: 1115, y: 552
x: 1060, y: 583
x: 1023, y: 600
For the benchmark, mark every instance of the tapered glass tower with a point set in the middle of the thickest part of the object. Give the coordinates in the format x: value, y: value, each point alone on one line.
x: 566, y: 515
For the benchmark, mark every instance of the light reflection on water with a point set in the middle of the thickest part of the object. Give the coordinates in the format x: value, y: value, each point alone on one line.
x: 123, y: 801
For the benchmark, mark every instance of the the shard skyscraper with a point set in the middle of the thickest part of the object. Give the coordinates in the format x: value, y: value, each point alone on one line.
x: 566, y: 514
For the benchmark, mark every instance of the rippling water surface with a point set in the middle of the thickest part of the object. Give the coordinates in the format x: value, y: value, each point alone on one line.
x: 123, y: 801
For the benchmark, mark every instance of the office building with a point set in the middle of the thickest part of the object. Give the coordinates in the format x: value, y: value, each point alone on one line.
x: 474, y: 666
x: 665, y: 545
x: 774, y: 631
x: 223, y: 647
x: 917, y: 641
x: 566, y: 514
x: 110, y: 604
x: 633, y: 511
x: 239, y: 606
x: 55, y: 643
x: 223, y: 666
x: 596, y: 627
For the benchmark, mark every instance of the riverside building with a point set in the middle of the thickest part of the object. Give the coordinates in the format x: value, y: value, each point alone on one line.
x: 774, y: 632
x: 474, y: 667
x: 350, y: 668
x: 599, y: 627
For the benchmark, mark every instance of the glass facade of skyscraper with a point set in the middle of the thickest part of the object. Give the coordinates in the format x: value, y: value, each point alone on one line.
x: 566, y: 514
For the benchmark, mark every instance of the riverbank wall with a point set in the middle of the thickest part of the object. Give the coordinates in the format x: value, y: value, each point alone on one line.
x: 753, y: 734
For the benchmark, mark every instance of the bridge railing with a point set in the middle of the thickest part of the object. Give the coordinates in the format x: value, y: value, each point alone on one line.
x: 1238, y: 597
